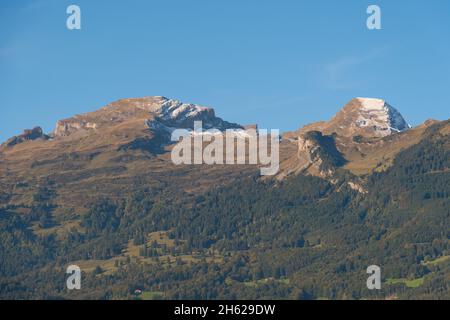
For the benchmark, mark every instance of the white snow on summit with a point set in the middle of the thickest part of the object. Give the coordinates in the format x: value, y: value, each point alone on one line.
x: 372, y: 103
x: 381, y: 116
x: 171, y: 114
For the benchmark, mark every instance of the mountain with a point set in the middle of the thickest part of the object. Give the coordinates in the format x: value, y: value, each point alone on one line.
x: 101, y: 192
x: 105, y: 151
x: 366, y: 132
x: 365, y: 117
x: 153, y: 112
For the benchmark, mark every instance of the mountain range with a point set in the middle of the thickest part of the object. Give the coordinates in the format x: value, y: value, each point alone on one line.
x: 101, y: 192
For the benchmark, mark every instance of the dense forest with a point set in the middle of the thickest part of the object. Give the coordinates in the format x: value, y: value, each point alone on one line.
x: 300, y: 238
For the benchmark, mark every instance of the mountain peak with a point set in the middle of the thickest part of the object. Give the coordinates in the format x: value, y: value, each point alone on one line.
x: 365, y: 117
x: 156, y: 111
x: 381, y: 116
x: 369, y: 117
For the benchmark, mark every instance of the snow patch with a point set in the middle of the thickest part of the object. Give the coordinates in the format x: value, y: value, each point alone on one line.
x: 371, y: 104
x: 178, y: 111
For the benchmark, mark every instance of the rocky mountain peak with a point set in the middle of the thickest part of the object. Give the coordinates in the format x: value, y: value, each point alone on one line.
x: 157, y: 112
x: 358, y: 129
x: 379, y: 114
x: 365, y: 117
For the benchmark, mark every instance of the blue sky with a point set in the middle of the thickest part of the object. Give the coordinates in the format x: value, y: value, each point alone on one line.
x: 277, y: 63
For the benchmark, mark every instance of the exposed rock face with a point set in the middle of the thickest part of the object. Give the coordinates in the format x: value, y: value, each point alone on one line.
x: 318, y: 154
x: 309, y: 158
x: 29, y: 134
x: 357, y: 187
x: 67, y: 127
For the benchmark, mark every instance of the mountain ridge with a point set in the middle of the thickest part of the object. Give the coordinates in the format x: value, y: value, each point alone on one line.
x: 174, y: 112
x: 360, y: 129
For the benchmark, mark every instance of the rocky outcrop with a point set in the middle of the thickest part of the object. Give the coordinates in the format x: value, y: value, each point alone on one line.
x: 357, y: 187
x: 69, y: 126
x: 318, y: 154
x: 29, y: 134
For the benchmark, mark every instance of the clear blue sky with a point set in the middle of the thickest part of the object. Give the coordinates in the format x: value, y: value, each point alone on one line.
x: 278, y: 63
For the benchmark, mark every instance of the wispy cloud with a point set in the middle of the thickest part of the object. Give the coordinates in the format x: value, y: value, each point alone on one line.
x: 336, y: 74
